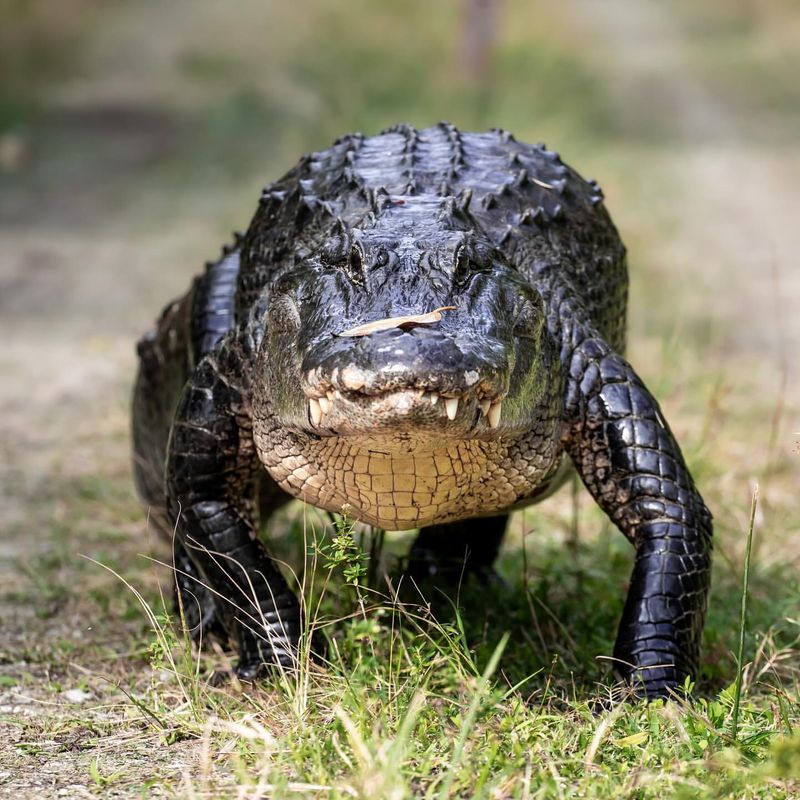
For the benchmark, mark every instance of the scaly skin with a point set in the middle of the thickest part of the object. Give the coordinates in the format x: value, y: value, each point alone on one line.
x: 441, y: 426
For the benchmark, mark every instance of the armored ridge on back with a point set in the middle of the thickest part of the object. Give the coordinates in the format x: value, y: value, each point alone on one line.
x: 271, y: 360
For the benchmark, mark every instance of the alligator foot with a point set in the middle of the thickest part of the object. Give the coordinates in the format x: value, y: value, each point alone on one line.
x: 261, y: 660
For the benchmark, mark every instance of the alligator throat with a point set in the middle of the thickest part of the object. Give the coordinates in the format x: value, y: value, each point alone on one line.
x: 405, y: 480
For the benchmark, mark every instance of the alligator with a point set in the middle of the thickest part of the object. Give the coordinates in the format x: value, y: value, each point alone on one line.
x: 427, y: 328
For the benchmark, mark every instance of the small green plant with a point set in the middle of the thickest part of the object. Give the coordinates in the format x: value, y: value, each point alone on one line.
x: 100, y: 780
x: 345, y: 554
x: 162, y: 647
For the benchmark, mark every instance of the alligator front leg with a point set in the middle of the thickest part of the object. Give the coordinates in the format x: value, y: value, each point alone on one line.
x: 193, y: 602
x: 632, y: 465
x: 212, y: 471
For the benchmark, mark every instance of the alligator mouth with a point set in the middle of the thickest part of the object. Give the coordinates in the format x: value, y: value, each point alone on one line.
x: 334, y: 408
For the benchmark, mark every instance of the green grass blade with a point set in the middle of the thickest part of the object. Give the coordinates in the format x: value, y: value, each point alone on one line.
x: 743, y: 617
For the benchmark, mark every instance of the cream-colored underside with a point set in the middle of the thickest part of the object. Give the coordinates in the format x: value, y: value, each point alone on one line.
x: 407, y: 480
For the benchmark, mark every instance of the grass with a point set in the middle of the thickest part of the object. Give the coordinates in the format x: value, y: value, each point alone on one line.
x: 507, y: 702
x: 737, y: 693
x: 408, y: 707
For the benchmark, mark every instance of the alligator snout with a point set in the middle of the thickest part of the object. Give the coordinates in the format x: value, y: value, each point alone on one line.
x: 421, y: 374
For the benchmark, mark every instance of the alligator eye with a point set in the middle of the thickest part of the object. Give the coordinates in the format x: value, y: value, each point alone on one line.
x: 462, y: 270
x: 354, y: 266
x: 382, y: 258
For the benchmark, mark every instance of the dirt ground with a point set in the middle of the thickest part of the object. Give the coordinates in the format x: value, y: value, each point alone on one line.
x: 87, y: 262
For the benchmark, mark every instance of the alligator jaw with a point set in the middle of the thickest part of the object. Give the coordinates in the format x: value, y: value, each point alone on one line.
x: 349, y: 412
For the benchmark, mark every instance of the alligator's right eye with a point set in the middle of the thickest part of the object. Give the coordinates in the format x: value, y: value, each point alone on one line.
x: 463, y: 267
x: 349, y: 259
x: 382, y: 258
x: 354, y: 265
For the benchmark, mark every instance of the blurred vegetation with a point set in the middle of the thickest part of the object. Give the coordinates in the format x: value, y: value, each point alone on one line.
x: 748, y: 52
x: 206, y: 95
x: 262, y: 85
x: 38, y: 40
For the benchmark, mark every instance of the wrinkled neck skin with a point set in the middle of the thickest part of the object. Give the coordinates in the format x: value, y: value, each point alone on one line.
x: 416, y: 424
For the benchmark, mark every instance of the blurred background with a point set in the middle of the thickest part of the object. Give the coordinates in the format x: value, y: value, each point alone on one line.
x: 135, y: 136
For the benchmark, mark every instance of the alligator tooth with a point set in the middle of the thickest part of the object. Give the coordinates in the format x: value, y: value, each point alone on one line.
x: 494, y: 414
x: 451, y: 406
x: 316, y: 411
x: 353, y: 378
x: 325, y: 405
x: 434, y: 398
x: 484, y: 404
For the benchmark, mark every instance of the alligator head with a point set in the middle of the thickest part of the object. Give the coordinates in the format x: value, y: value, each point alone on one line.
x: 352, y: 352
